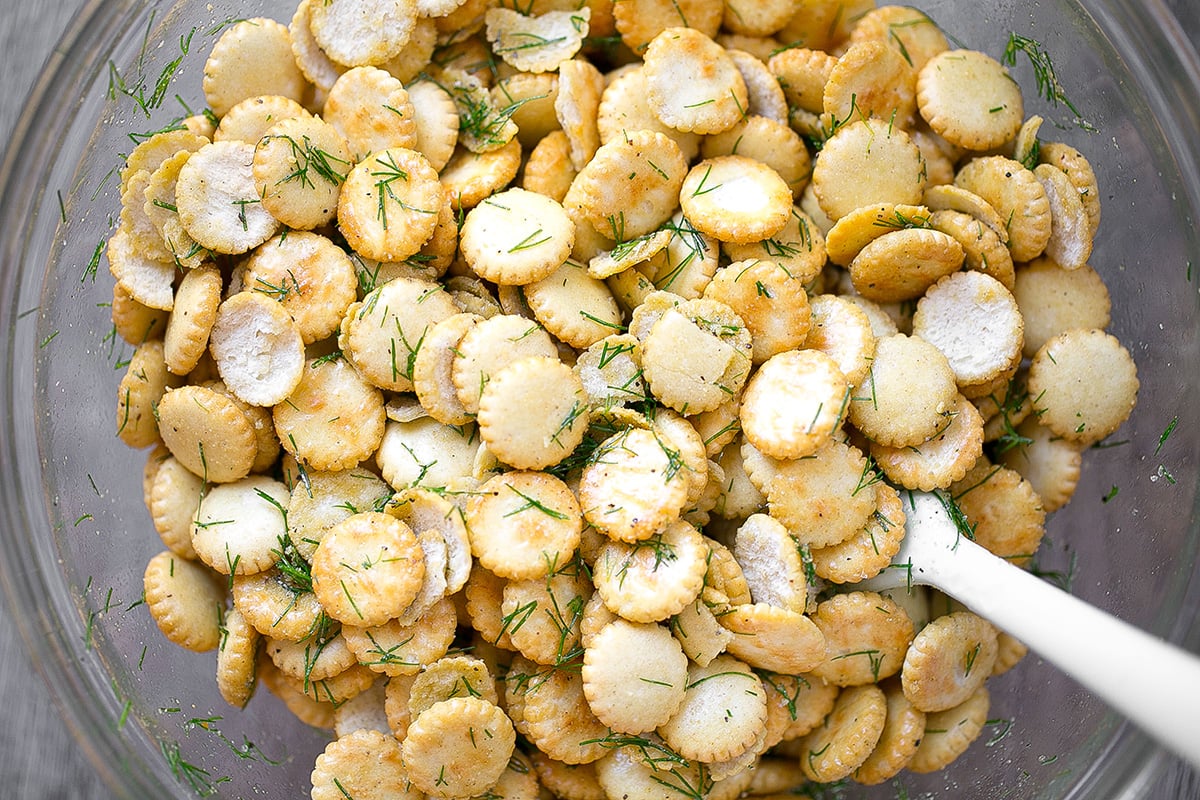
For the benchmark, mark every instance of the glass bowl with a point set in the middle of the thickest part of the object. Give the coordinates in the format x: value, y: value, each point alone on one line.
x: 76, y: 536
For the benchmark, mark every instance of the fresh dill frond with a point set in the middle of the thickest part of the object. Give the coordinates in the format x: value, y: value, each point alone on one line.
x: 1044, y: 74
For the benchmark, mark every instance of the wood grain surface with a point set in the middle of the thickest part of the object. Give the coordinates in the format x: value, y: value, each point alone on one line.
x: 38, y: 757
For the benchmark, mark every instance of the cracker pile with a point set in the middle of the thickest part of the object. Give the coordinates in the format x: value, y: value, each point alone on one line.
x: 527, y: 388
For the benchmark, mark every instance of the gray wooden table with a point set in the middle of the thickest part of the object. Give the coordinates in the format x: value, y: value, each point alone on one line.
x: 38, y: 758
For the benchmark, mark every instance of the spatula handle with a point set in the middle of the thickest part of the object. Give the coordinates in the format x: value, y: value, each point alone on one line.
x: 1153, y: 683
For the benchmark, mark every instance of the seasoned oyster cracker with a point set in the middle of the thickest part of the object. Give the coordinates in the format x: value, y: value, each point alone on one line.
x: 576, y: 308
x: 968, y: 98
x: 367, y: 569
x: 537, y: 43
x: 871, y: 79
x: 389, y: 204
x: 1053, y: 300
x: 139, y: 395
x: 523, y: 524
x: 192, y: 319
x: 903, y: 729
x: 1062, y: 381
x: 382, y: 334
x: 370, y: 108
x: 654, y: 578
x: 775, y: 639
x: 639, y: 21
x: 949, y: 660
x: 1017, y: 196
x: 516, y: 237
x: 358, y: 33
x: 237, y: 676
x: 185, y: 599
x: 208, y: 433
x: 333, y: 420
x: 723, y: 710
x: 848, y: 735
x: 714, y: 98
x: 736, y: 199
x: 949, y: 733
x: 631, y: 186
x: 841, y: 329
x: 868, y: 552
x: 867, y: 162
x: 766, y: 140
x: 910, y: 31
x: 658, y: 677
x: 250, y: 119
x: 444, y: 755
x: 238, y: 526
x: 252, y: 57
x: 310, y: 276
x: 790, y: 424
x: 218, y: 202
x: 532, y: 413
x: 395, y: 650
x: 821, y: 499
x: 364, y: 764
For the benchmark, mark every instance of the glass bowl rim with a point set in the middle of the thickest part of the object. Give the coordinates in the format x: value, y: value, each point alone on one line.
x: 52, y: 651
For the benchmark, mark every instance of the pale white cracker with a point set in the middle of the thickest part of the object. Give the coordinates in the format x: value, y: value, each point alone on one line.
x: 239, y: 526
x: 794, y: 403
x: 516, y: 237
x: 425, y: 452
x: 370, y: 108
x: 252, y: 57
x: 537, y: 43
x: 362, y: 32
x: 147, y: 281
x: 692, y: 83
x: 968, y: 98
x: 258, y: 348
x: 976, y: 323
x: 218, y: 202
x: 724, y: 708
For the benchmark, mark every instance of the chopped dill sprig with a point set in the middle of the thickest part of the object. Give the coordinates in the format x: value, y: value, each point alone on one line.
x: 1045, y: 76
x: 962, y: 525
x: 1062, y: 578
x: 899, y: 220
x: 294, y: 569
x: 310, y: 158
x: 534, y: 503
x: 200, y: 780
x: 94, y: 262
x: 1162, y: 439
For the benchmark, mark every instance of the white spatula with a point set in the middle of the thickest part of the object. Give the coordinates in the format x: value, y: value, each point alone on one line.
x: 1153, y: 683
